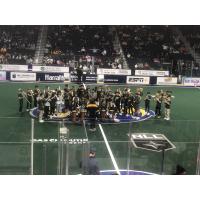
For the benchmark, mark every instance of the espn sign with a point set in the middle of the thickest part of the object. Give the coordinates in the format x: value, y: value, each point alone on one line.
x: 137, y: 80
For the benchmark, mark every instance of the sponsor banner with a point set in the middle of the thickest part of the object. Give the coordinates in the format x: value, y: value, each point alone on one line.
x: 53, y: 77
x: 167, y: 80
x: 53, y: 69
x: 100, y: 79
x: 187, y: 81
x: 151, y: 73
x: 67, y: 77
x: 20, y: 76
x: 114, y: 79
x: 137, y: 80
x: 89, y: 78
x: 114, y: 71
x: 2, y: 76
x: 13, y: 68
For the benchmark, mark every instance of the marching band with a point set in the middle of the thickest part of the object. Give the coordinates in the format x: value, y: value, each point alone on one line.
x: 75, y: 102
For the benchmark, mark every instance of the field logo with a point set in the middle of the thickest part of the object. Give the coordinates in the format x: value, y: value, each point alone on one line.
x: 151, y: 141
x: 54, y: 140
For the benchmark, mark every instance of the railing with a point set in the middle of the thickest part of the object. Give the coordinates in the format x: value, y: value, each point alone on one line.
x: 30, y: 147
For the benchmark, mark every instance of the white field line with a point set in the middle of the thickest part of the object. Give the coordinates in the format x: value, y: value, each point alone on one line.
x: 109, y: 150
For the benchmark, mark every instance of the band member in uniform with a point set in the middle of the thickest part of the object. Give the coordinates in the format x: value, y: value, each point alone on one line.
x: 75, y: 102
x: 36, y: 93
x: 99, y: 92
x: 53, y: 101
x: 72, y: 91
x: 29, y: 95
x: 117, y: 101
x: 109, y: 101
x: 59, y: 102
x: 130, y: 104
x: 87, y: 92
x: 102, y: 108
x: 92, y: 114
x: 80, y: 91
x: 158, y: 99
x: 40, y: 101
x: 67, y: 100
x: 139, y: 91
x: 147, y: 101
x: 46, y: 104
x: 167, y: 102
x: 20, y: 99
x: 136, y: 104
x: 125, y: 103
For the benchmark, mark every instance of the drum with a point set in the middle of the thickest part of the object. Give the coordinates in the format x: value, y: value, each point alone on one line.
x: 73, y: 115
x: 59, y: 106
x: 112, y: 113
x: 103, y: 114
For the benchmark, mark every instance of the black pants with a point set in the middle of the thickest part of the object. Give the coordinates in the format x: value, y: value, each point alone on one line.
x: 125, y: 109
x: 158, y: 110
x: 20, y: 105
x: 46, y: 112
x: 35, y: 101
x: 52, y: 109
x: 147, y: 107
x: 118, y: 108
x: 130, y: 110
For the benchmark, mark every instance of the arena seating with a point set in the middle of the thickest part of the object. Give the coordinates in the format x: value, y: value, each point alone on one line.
x: 192, y: 34
x: 18, y: 44
x: 144, y: 47
x: 147, y: 47
x: 82, y: 44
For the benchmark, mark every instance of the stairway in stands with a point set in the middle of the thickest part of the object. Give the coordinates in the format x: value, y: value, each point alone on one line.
x: 40, y: 48
x: 117, y: 46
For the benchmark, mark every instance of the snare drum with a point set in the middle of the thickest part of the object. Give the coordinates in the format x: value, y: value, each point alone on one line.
x: 112, y: 112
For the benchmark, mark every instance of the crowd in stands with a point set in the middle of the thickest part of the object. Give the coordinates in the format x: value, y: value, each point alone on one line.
x: 90, y: 47
x: 87, y: 46
x: 192, y: 34
x: 17, y: 44
x: 147, y: 47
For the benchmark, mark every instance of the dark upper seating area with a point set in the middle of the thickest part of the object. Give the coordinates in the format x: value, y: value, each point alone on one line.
x: 147, y: 47
x: 17, y: 44
x: 84, y: 45
x: 192, y: 34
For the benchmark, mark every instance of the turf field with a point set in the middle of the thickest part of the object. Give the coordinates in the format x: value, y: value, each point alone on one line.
x: 50, y: 155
